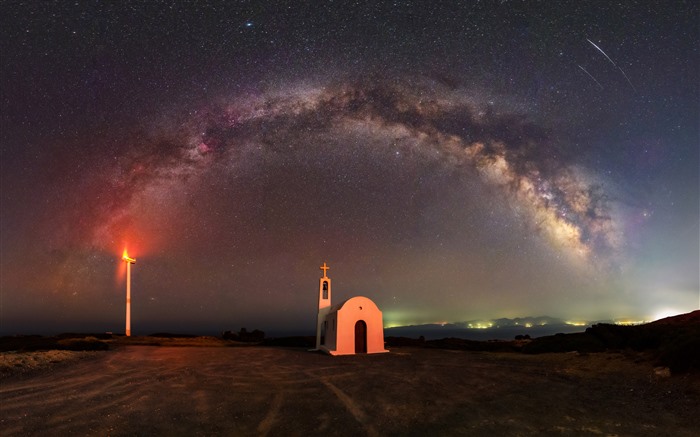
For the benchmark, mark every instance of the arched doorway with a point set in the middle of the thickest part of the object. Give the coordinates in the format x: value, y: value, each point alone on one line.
x: 360, y: 337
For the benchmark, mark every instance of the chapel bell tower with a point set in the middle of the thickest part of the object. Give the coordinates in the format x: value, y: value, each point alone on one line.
x: 324, y: 289
x: 324, y: 305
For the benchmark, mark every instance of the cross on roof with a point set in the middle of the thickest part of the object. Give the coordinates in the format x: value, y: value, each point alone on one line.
x: 324, y: 267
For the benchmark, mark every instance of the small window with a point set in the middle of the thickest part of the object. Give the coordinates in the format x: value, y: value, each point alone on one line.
x: 325, y: 289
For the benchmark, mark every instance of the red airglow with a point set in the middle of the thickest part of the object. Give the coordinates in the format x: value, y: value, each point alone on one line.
x: 120, y: 273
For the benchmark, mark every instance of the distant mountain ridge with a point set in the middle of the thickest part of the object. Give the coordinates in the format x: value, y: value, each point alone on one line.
x: 496, y: 329
x: 672, y: 343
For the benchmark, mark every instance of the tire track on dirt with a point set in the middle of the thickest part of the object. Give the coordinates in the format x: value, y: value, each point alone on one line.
x: 62, y: 421
x: 352, y: 407
x: 268, y: 422
x: 23, y: 395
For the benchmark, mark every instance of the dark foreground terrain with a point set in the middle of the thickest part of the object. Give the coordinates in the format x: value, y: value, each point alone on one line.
x: 151, y: 390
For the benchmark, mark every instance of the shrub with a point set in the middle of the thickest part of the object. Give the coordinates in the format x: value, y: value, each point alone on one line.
x: 581, y: 342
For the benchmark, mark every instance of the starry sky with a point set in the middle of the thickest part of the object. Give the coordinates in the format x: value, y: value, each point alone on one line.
x: 451, y: 160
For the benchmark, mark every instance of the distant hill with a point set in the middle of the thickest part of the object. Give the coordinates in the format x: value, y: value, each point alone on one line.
x: 688, y: 319
x: 673, y: 342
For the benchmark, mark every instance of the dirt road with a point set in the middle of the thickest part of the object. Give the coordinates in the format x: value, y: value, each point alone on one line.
x: 142, y: 390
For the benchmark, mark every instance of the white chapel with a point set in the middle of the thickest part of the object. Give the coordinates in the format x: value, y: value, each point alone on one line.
x: 354, y: 326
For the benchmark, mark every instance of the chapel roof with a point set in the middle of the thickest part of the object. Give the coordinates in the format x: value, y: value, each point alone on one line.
x: 363, y: 299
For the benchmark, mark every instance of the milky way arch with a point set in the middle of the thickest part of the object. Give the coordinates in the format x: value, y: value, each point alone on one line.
x: 562, y: 201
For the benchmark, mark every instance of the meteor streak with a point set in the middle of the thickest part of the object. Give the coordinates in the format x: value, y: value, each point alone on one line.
x: 612, y: 62
x: 591, y: 76
x: 601, y: 51
x: 628, y: 79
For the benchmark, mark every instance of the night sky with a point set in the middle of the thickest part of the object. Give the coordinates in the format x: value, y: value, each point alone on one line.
x: 452, y: 161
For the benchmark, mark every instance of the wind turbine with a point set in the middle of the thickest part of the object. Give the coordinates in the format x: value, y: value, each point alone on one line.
x: 129, y: 262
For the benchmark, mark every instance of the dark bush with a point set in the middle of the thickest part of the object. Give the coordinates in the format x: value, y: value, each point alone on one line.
x: 26, y: 343
x: 82, y: 344
x: 32, y: 343
x: 229, y: 335
x: 682, y: 352
x: 99, y: 336
x: 169, y: 335
x: 472, y: 345
x: 404, y: 342
x: 299, y: 341
x: 581, y: 342
x: 243, y: 335
x: 611, y: 336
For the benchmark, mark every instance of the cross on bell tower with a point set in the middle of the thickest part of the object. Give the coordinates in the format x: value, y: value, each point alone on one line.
x: 324, y: 288
x: 324, y: 305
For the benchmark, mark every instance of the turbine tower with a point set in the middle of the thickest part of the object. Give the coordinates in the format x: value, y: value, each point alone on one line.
x: 129, y: 262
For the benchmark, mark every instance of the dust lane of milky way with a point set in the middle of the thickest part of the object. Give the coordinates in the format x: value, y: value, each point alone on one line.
x: 561, y: 200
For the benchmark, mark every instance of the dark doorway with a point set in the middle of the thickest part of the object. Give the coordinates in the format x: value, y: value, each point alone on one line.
x: 360, y: 337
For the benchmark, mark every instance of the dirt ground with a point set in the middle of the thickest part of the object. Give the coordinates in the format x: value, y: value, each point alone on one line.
x: 150, y: 390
